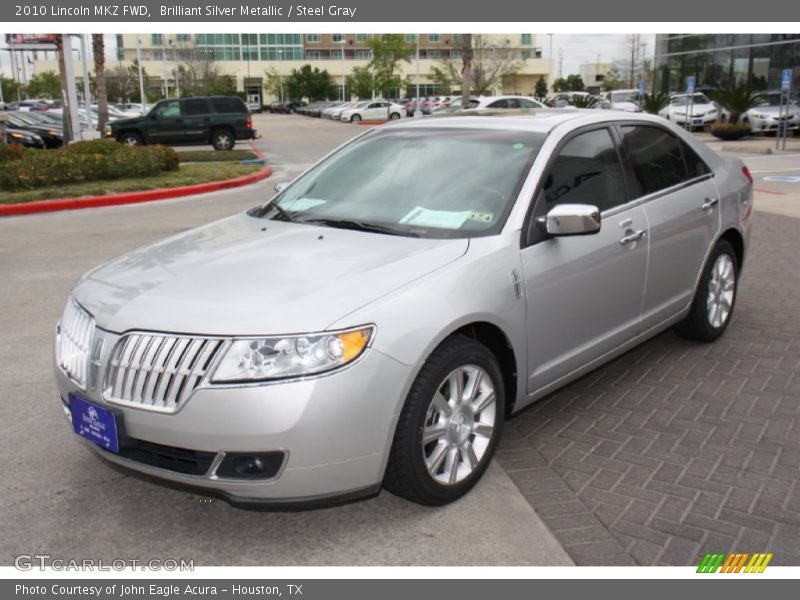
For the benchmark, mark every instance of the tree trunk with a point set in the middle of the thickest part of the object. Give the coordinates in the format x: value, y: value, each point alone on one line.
x: 466, y: 69
x: 62, y: 69
x: 99, y: 50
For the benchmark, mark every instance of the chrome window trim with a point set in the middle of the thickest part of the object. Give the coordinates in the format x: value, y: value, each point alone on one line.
x: 641, y: 200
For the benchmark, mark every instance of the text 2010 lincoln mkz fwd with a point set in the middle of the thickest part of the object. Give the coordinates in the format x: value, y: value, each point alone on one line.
x: 376, y: 321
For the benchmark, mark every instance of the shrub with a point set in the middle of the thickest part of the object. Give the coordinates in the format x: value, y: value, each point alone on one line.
x: 729, y: 131
x: 736, y: 100
x: 9, y: 152
x: 85, y: 161
x: 654, y: 103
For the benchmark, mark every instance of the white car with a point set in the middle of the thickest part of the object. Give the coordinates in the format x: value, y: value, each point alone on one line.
x: 769, y: 115
x: 334, y: 112
x: 703, y: 111
x: 624, y: 100
x: 562, y: 99
x: 504, y: 102
x: 373, y: 110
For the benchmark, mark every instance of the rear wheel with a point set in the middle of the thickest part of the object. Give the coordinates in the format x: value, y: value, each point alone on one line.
x: 130, y: 138
x: 450, y: 425
x: 715, y: 298
x: 222, y: 139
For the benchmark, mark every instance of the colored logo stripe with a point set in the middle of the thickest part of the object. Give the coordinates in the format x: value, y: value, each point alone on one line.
x: 734, y: 562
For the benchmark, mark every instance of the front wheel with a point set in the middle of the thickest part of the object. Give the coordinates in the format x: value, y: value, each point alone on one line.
x: 712, y: 307
x: 222, y: 139
x: 355, y: 119
x: 450, y: 425
x: 394, y: 116
x: 131, y: 139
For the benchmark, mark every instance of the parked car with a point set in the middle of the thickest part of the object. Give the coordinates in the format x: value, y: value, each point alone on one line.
x: 562, y: 99
x: 625, y: 100
x: 768, y: 117
x: 52, y: 135
x: 373, y: 110
x: 503, y: 102
x: 254, y: 107
x: 11, y: 135
x: 411, y: 106
x: 703, y: 111
x: 425, y: 106
x: 131, y: 107
x: 352, y: 357
x: 334, y: 112
x: 215, y: 120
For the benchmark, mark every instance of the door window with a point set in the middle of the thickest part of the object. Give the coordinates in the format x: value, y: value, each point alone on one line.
x: 195, y: 106
x: 499, y: 104
x: 655, y: 157
x: 169, y: 110
x: 586, y: 171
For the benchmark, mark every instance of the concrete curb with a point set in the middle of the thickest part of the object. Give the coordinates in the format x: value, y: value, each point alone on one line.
x: 42, y: 206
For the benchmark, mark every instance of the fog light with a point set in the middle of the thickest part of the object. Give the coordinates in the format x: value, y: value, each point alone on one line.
x: 245, y: 465
x: 249, y: 466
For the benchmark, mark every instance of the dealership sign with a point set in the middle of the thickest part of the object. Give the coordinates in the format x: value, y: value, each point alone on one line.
x: 31, y: 39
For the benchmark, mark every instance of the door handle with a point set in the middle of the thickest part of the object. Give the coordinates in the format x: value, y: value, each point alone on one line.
x: 632, y: 237
x: 710, y: 203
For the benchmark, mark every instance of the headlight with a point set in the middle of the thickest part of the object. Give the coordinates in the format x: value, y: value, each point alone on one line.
x: 280, y: 357
x: 713, y: 111
x: 759, y: 116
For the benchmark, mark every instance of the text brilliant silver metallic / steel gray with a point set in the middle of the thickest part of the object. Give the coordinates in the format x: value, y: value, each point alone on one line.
x: 367, y: 326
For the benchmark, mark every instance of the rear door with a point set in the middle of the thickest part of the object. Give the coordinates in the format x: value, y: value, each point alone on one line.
x: 197, y: 119
x: 681, y: 202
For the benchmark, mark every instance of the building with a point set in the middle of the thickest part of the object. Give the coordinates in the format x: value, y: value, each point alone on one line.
x: 720, y: 60
x: 247, y: 57
x: 594, y: 74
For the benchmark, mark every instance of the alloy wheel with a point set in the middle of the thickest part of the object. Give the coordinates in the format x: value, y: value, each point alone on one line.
x: 721, y: 288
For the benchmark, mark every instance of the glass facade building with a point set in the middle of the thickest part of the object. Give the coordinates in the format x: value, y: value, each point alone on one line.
x: 721, y: 60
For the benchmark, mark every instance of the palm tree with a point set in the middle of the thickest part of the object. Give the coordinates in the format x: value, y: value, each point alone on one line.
x: 466, y: 68
x: 654, y: 103
x: 99, y: 50
x: 736, y: 100
x: 585, y: 101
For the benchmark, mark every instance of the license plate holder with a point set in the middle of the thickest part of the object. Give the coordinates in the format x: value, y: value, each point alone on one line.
x: 95, y: 423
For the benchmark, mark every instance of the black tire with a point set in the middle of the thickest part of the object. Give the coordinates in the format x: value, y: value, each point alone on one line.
x: 394, y: 116
x: 697, y: 325
x: 406, y: 472
x: 129, y: 138
x: 223, y: 139
x: 355, y: 118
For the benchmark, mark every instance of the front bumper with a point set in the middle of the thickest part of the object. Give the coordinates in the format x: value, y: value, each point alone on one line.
x: 695, y: 121
x: 773, y: 123
x: 334, y: 431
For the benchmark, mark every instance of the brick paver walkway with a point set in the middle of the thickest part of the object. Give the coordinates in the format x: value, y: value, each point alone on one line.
x: 677, y: 448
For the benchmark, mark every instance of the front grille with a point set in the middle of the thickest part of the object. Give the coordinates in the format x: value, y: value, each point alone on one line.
x: 178, y: 460
x: 73, y: 342
x: 158, y: 372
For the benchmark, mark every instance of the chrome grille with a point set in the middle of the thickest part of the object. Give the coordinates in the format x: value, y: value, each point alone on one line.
x: 158, y: 372
x: 73, y: 342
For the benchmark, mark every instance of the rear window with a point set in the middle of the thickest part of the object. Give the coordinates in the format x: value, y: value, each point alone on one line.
x: 655, y: 157
x: 228, y: 104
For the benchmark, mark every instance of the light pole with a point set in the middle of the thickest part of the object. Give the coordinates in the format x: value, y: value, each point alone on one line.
x: 342, y: 42
x: 417, y: 36
x: 550, y: 56
x: 280, y: 77
x: 175, y: 70
x: 142, y: 97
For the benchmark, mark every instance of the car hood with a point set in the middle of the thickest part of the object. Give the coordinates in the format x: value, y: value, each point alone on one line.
x: 132, y: 121
x: 775, y: 110
x: 626, y: 106
x: 250, y: 276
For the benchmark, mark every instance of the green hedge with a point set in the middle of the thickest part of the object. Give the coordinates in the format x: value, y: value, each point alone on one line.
x: 85, y: 161
x: 215, y: 155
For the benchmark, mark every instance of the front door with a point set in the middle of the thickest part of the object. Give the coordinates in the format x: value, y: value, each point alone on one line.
x: 165, y: 124
x: 583, y: 293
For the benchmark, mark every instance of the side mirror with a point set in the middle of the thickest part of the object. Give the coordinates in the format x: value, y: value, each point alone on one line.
x: 154, y: 115
x: 279, y: 187
x: 572, y: 219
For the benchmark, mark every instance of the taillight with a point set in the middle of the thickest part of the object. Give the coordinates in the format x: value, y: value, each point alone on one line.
x: 747, y: 174
x: 249, y: 124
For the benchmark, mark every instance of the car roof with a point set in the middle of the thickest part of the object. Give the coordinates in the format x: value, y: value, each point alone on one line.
x: 535, y: 120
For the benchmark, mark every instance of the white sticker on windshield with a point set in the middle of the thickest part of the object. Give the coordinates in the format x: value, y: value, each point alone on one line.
x: 443, y: 219
x: 301, y: 204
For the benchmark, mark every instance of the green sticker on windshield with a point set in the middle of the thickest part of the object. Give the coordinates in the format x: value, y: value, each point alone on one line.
x: 518, y: 146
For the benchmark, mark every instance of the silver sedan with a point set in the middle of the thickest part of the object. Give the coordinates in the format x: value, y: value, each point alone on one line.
x: 376, y: 321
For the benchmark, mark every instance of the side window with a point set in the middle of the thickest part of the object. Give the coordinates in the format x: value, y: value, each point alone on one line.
x: 525, y: 103
x: 228, y: 104
x: 195, y: 106
x: 655, y: 157
x: 499, y: 104
x: 586, y: 171
x: 694, y: 164
x: 169, y: 110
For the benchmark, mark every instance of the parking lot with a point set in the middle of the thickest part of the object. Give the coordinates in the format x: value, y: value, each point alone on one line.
x: 672, y: 450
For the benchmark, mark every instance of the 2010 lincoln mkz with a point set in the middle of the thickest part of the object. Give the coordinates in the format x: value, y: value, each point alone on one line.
x: 376, y: 321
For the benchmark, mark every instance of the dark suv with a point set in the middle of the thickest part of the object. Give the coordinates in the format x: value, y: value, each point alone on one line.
x: 215, y: 120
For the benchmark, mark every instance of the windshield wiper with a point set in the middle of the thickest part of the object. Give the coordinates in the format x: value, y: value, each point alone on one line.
x: 282, y: 212
x: 357, y: 226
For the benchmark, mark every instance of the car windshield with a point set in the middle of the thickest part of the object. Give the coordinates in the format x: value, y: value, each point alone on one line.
x: 438, y: 183
x: 774, y: 99
x: 624, y: 96
x: 696, y: 99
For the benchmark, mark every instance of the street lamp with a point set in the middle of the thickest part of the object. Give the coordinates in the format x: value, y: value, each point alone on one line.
x: 342, y: 42
x: 280, y: 77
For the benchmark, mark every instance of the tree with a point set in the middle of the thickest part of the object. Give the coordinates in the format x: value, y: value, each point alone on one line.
x: 654, y: 103
x: 613, y: 79
x: 445, y: 76
x: 736, y: 100
x: 466, y: 68
x: 310, y: 83
x: 119, y: 83
x: 10, y: 88
x: 573, y: 83
x: 360, y: 82
x: 387, y: 52
x: 273, y: 82
x: 631, y: 62
x: 541, y: 87
x: 200, y: 75
x: 66, y: 119
x: 99, y: 51
x: 44, y: 85
x: 491, y: 62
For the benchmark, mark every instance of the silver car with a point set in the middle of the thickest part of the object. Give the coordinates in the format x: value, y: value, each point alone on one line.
x: 376, y: 321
